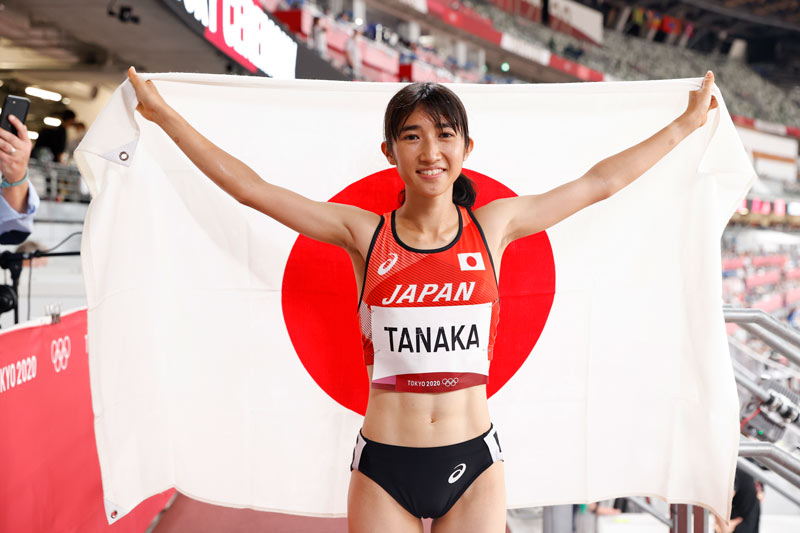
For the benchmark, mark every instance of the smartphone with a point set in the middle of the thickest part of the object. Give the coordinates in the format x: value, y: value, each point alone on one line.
x: 17, y: 106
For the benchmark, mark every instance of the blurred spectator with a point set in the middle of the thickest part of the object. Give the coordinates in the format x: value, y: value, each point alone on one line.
x: 745, y: 509
x: 410, y: 55
x: 18, y: 201
x: 353, y: 50
x: 319, y: 40
x: 585, y: 516
x: 792, y: 317
x: 53, y: 141
x: 75, y: 139
x: 573, y: 52
x: 624, y: 505
x: 760, y: 490
x: 372, y: 31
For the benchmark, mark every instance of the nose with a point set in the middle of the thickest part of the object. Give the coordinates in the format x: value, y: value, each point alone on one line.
x: 430, y: 151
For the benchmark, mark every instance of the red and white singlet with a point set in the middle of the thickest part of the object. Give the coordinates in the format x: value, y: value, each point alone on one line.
x: 429, y: 317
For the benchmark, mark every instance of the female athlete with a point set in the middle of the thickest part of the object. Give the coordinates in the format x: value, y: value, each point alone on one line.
x: 427, y: 276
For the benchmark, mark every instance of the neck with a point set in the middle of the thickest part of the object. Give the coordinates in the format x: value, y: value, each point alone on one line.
x: 427, y: 215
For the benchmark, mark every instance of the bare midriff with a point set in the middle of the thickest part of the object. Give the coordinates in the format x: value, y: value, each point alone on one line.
x: 423, y: 420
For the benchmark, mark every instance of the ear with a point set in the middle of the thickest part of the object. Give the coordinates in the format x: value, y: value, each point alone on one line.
x: 388, y: 154
x: 468, y: 149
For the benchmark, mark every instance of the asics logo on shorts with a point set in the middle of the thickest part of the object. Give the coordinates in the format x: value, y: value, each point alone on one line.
x: 456, y: 475
x: 387, y: 265
x: 449, y: 382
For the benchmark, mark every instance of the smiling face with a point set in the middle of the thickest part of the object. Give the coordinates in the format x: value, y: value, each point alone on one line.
x: 426, y: 136
x: 428, y: 155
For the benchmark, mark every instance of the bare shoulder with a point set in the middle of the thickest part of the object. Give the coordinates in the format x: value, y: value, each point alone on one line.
x: 493, y: 219
x: 361, y: 225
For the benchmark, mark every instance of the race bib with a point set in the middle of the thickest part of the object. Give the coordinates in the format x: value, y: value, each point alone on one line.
x: 417, y: 340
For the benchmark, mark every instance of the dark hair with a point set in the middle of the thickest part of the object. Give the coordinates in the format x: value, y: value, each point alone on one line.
x: 67, y: 114
x: 439, y: 103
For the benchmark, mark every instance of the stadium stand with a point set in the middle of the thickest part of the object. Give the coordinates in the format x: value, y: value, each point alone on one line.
x: 747, y: 93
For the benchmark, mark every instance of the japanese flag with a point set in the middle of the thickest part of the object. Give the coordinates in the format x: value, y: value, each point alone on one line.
x: 471, y: 261
x: 224, y: 349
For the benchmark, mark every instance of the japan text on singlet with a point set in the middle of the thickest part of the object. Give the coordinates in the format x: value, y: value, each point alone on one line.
x: 429, y: 317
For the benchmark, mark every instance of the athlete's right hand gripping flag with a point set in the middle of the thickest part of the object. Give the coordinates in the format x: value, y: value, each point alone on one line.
x: 225, y: 354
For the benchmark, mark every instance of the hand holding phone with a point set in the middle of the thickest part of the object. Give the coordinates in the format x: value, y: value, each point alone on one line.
x: 14, y: 106
x: 15, y: 146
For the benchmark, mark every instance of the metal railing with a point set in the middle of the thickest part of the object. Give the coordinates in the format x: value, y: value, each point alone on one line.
x: 760, y: 475
x: 694, y: 519
x: 777, y: 335
x: 57, y: 182
x: 776, y: 459
x: 786, y: 341
x: 642, y: 504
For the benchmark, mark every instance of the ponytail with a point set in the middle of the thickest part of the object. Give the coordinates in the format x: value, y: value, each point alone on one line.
x: 464, y: 192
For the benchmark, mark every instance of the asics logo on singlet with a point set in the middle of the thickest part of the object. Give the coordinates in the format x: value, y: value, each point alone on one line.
x: 387, y: 265
x: 449, y: 382
x: 457, y: 473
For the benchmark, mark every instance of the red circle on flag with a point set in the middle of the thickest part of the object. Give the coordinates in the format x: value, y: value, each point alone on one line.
x: 471, y: 261
x: 320, y: 298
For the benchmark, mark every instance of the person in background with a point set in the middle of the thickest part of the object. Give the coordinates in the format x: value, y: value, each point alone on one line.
x: 792, y: 317
x: 18, y: 198
x: 75, y: 139
x: 585, y: 516
x: 319, y: 39
x: 54, y: 140
x: 745, y: 508
x: 760, y: 492
x: 353, y: 50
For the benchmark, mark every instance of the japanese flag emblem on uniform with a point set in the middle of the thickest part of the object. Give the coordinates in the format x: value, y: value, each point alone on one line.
x: 473, y: 261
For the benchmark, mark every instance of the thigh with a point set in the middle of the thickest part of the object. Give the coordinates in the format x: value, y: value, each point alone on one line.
x: 370, y: 509
x: 482, y: 507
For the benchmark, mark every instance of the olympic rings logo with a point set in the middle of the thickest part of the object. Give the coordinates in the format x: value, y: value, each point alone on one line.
x: 59, y: 352
x: 449, y: 382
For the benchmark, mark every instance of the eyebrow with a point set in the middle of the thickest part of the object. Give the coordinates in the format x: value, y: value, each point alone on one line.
x: 441, y: 126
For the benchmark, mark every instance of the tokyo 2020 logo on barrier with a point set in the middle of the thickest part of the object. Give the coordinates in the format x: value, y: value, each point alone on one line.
x: 59, y: 352
x: 320, y: 298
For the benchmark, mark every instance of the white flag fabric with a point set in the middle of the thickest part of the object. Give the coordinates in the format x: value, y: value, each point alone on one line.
x: 224, y: 350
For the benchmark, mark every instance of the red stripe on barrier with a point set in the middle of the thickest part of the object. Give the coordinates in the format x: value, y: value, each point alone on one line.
x: 581, y: 72
x: 465, y: 19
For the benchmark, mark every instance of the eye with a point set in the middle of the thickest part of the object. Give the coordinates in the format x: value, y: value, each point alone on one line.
x: 447, y: 134
x: 409, y: 137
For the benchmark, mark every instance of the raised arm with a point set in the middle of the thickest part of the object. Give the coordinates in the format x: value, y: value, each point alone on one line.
x: 508, y: 219
x: 346, y: 226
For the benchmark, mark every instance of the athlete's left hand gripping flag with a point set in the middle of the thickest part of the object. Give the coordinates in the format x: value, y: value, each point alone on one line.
x: 224, y: 350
